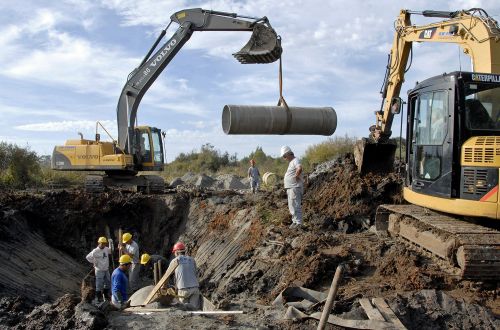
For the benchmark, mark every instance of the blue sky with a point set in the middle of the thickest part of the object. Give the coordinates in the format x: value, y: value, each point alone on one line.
x: 63, y: 65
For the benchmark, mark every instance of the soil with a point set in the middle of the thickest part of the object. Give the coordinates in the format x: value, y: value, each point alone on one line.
x: 245, y: 252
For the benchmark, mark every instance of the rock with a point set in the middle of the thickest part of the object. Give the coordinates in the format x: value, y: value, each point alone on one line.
x: 87, y: 316
x: 231, y: 181
x: 203, y: 181
x: 176, y: 182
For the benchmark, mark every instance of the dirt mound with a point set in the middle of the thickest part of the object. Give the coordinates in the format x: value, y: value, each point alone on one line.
x: 65, y: 313
x: 431, y: 309
x: 336, y: 195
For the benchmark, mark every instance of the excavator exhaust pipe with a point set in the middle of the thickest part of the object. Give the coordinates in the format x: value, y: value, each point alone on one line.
x: 263, y: 47
x: 373, y: 157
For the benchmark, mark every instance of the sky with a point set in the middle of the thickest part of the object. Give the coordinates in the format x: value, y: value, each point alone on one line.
x: 63, y: 64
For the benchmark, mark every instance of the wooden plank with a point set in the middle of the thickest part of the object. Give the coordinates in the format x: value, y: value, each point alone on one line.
x: 371, y: 312
x: 157, y: 287
x: 387, y: 312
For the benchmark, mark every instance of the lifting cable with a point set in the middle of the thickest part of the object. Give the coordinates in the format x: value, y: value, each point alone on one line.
x: 281, y: 101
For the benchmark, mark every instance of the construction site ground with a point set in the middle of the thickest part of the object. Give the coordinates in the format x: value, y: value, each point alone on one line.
x: 245, y: 251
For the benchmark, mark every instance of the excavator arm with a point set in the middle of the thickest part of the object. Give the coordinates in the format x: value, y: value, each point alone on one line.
x: 473, y: 30
x: 264, y: 47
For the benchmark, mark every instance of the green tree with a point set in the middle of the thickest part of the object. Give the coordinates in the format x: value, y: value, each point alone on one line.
x: 19, y: 167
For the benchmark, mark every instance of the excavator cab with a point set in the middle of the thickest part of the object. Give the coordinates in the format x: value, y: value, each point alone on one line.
x: 148, y: 149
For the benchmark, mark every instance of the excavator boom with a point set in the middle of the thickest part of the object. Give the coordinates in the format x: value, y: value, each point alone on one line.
x: 264, y: 47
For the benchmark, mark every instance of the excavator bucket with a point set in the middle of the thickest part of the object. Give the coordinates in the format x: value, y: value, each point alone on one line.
x: 263, y: 47
x: 373, y: 157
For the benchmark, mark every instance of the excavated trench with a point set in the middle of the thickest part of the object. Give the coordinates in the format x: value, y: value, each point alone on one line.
x: 245, y: 252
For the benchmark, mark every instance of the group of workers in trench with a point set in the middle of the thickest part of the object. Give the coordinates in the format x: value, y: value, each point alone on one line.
x: 125, y: 277
x: 115, y: 288
x: 293, y: 183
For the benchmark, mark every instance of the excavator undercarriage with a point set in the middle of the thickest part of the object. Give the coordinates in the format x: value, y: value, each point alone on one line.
x: 469, y: 250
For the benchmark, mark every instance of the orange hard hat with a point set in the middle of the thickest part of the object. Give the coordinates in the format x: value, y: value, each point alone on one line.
x: 179, y: 246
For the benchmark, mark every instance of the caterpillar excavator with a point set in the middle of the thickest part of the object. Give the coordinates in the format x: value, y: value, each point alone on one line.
x: 452, y: 149
x: 139, y: 148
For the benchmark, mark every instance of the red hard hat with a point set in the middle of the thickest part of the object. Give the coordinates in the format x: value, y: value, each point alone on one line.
x: 179, y: 246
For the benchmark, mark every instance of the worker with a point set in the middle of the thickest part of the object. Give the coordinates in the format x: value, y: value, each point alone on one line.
x: 186, y: 278
x: 254, y: 176
x: 294, y: 185
x: 148, y: 261
x: 130, y: 248
x: 99, y: 257
x: 119, y: 282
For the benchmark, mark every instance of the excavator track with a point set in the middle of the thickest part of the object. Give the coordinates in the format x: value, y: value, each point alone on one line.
x: 471, y: 249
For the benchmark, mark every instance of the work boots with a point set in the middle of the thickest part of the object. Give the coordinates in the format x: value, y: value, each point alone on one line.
x: 99, y: 297
x: 107, y: 294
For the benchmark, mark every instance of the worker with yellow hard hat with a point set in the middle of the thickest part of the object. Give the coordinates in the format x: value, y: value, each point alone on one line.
x: 99, y: 257
x: 119, y: 282
x: 131, y: 248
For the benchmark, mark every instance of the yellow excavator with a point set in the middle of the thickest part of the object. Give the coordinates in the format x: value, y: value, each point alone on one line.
x: 140, y: 148
x: 452, y: 145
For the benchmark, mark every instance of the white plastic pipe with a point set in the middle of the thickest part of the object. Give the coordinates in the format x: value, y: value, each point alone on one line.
x: 271, y: 120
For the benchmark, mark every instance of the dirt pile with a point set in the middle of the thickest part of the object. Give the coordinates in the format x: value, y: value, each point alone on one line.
x: 337, y: 196
x: 65, y: 313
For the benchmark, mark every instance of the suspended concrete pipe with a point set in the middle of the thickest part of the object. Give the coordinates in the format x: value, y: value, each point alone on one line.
x: 250, y: 119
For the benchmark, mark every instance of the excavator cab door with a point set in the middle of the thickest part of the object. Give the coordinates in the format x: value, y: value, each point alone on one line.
x: 148, y: 150
x: 430, y: 135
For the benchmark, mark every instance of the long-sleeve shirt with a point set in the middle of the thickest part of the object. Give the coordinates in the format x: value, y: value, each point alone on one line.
x: 99, y: 257
x: 119, y: 284
x: 132, y: 249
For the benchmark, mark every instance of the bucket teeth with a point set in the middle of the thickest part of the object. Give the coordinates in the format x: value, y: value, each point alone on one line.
x: 263, y: 47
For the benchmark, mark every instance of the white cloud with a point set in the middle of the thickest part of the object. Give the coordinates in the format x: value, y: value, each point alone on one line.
x: 68, y: 126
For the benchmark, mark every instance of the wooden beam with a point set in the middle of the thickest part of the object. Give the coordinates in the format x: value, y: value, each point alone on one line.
x: 371, y: 312
x: 388, y: 313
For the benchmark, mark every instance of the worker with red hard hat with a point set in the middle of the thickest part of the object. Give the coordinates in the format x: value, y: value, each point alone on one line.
x: 185, y: 274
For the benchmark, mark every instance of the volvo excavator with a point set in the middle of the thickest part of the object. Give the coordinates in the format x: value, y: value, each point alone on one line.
x: 452, y: 149
x: 140, y: 148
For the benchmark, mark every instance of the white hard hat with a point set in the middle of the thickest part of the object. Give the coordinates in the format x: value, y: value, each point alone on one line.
x: 285, y: 150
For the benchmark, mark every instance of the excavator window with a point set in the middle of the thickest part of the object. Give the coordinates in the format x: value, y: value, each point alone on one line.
x: 158, y: 157
x: 482, y: 107
x: 431, y: 128
x: 145, y: 148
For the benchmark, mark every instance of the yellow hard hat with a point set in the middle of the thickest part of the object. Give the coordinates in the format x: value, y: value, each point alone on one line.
x: 102, y: 239
x: 125, y: 259
x: 126, y: 237
x: 145, y: 258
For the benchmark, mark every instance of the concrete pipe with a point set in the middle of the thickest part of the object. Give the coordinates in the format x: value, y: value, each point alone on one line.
x: 271, y: 120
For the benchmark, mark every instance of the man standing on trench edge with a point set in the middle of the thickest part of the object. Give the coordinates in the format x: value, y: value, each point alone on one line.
x: 130, y: 248
x: 119, y: 282
x: 99, y: 257
x: 294, y: 185
x: 254, y: 176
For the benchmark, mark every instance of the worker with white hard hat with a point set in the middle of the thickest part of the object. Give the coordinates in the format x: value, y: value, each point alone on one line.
x: 119, y: 282
x: 131, y: 248
x: 294, y: 185
x: 99, y: 257
x: 186, y: 278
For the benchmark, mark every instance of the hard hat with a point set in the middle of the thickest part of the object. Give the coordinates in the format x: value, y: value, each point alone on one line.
x: 102, y: 239
x: 126, y: 237
x: 179, y: 246
x: 285, y: 150
x: 145, y: 258
x: 125, y: 259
